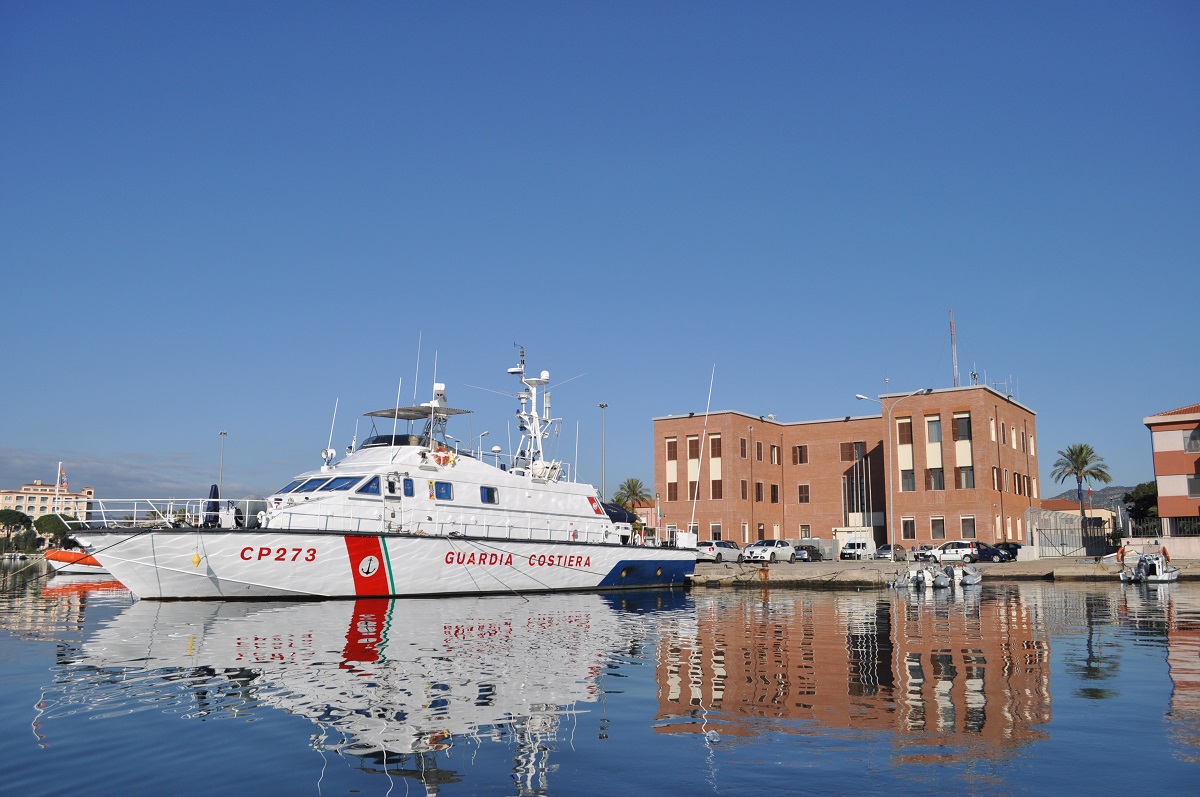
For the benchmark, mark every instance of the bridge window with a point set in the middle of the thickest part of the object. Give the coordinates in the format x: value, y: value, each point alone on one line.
x: 489, y: 495
x: 371, y: 487
x: 312, y: 485
x: 341, y: 483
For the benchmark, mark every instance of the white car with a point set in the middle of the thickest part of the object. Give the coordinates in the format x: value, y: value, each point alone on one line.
x: 718, y: 551
x: 769, y: 551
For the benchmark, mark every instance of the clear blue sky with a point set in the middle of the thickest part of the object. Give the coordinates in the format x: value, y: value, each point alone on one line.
x: 226, y: 216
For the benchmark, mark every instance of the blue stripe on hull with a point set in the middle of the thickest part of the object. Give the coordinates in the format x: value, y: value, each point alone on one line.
x: 653, y: 573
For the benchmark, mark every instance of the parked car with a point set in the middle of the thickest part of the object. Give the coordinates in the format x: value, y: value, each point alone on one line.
x: 769, y: 551
x: 811, y: 553
x: 718, y: 551
x: 993, y: 553
x: 1013, y: 548
x: 855, y: 549
x: 967, y: 551
x: 885, y: 552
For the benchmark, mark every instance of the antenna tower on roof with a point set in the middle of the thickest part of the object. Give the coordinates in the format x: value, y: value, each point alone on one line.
x: 953, y: 348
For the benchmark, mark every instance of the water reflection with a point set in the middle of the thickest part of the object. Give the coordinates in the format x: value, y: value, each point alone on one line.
x: 393, y: 687
x: 928, y: 666
x: 388, y: 682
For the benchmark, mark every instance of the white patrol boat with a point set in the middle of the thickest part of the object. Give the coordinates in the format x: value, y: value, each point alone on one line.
x: 403, y: 515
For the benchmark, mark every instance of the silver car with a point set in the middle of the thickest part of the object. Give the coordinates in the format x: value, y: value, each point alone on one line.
x: 769, y: 551
x: 718, y: 551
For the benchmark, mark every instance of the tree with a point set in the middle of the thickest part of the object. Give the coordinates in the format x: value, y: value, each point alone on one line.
x: 54, y: 527
x: 1080, y: 461
x: 12, y: 519
x: 630, y: 492
x: 1142, y: 501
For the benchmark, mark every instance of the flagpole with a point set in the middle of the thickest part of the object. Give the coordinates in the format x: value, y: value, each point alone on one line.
x: 57, y: 483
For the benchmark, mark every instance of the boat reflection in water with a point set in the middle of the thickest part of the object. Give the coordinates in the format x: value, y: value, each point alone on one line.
x: 387, y: 681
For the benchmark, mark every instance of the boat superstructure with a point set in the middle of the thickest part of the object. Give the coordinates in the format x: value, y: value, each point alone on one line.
x: 410, y: 513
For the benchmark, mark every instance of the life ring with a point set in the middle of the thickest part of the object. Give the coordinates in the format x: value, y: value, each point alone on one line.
x: 1166, y: 555
x: 440, y: 455
x: 1121, y: 555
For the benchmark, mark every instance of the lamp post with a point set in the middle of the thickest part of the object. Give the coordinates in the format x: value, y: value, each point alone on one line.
x: 221, y: 467
x: 603, y: 486
x: 891, y: 526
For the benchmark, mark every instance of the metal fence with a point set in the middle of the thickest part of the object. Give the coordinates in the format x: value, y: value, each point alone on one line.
x: 1066, y: 534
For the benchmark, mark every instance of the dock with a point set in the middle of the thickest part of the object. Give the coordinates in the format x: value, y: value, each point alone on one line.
x: 871, y: 574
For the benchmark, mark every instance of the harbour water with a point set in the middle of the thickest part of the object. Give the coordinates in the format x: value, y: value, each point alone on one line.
x: 1004, y: 688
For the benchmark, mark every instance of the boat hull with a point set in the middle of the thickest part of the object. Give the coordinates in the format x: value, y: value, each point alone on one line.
x: 264, y: 563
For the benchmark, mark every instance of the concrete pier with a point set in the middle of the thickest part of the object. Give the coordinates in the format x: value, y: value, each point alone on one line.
x: 870, y: 574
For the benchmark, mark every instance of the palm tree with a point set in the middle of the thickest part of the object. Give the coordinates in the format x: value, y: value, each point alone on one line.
x: 630, y: 492
x: 1081, y: 461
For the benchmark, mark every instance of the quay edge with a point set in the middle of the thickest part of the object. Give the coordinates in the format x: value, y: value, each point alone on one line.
x: 870, y: 574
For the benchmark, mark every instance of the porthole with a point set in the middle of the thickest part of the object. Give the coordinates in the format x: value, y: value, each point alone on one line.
x: 624, y: 572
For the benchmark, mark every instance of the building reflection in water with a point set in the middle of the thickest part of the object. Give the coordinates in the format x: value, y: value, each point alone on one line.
x: 973, y: 666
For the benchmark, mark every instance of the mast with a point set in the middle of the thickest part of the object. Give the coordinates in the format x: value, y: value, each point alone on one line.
x: 953, y: 348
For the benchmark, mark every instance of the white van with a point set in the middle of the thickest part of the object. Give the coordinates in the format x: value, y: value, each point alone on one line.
x: 855, y: 549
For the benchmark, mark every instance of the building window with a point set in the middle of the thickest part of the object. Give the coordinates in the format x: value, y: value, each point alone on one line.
x: 1191, y: 441
x: 937, y: 528
x: 714, y: 446
x: 762, y: 531
x: 745, y: 488
x: 968, y: 528
x: 716, y: 490
x: 996, y: 479
x: 672, y: 449
x: 935, y: 479
x: 758, y: 492
x: 714, y: 531
x: 774, y: 493
x: 692, y: 488
x: 962, y: 427
x: 742, y: 442
x: 693, y: 447
x: 966, y: 478
x: 908, y: 528
x: 775, y: 460
x: 933, y: 429
x: 853, y: 452
x: 904, y: 431
x: 1006, y: 480
x: 1003, y: 434
x: 802, y: 493
x: 672, y: 491
x: 908, y: 481
x: 1193, y: 484
x: 758, y: 451
x: 799, y: 455
x: 805, y: 531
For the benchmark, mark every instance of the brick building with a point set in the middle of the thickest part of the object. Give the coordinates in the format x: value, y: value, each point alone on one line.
x: 960, y: 463
x: 1175, y: 437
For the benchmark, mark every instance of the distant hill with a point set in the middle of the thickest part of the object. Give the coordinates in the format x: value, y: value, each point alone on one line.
x: 1100, y: 497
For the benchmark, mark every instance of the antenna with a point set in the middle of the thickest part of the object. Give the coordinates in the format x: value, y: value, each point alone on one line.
x: 328, y: 454
x: 953, y: 348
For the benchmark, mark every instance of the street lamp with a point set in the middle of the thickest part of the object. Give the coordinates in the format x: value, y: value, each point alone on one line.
x: 603, y: 487
x: 891, y: 526
x: 221, y: 467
